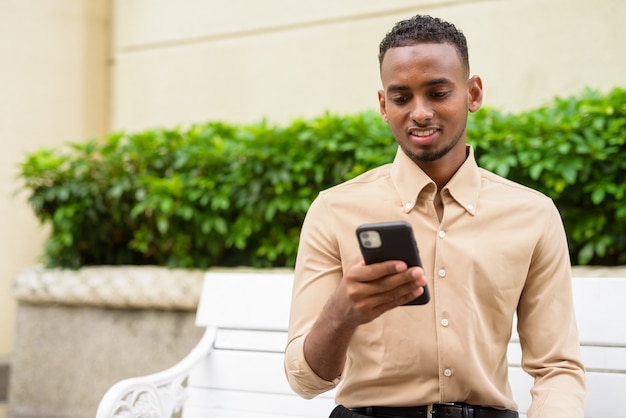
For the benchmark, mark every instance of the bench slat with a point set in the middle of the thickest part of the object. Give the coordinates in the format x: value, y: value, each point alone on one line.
x: 605, y: 395
x: 241, y: 404
x: 600, y: 310
x: 256, y: 340
x: 245, y: 300
x: 245, y: 371
x: 241, y: 370
x: 595, y: 358
x: 610, y: 359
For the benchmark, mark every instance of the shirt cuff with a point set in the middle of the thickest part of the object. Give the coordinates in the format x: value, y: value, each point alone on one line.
x: 302, y: 379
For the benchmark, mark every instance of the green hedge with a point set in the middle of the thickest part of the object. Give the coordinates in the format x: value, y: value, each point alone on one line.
x: 573, y: 150
x: 221, y: 194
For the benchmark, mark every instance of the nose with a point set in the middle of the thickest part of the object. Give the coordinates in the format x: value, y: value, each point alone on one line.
x: 422, y: 111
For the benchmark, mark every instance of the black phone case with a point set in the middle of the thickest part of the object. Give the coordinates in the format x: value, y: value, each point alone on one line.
x: 397, y: 243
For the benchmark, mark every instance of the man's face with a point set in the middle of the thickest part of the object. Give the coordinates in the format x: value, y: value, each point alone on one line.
x: 425, y: 100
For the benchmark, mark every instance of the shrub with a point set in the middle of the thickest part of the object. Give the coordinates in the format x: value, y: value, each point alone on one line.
x: 212, y: 194
x: 572, y: 150
x: 220, y: 194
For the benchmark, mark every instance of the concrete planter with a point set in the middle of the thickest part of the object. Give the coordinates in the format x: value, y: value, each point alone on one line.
x: 78, y: 332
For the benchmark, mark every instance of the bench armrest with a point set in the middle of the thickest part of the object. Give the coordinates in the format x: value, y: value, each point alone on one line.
x: 157, y: 395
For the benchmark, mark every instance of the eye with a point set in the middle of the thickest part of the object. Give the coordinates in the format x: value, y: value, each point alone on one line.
x: 439, y: 94
x: 399, y: 100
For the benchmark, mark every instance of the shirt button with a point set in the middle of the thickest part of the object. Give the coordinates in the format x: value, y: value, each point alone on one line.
x: 470, y: 207
x: 442, y: 234
x: 444, y: 322
x: 447, y: 372
x: 408, y: 206
x: 442, y: 273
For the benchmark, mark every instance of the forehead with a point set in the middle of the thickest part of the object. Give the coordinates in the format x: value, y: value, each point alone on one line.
x: 437, y: 60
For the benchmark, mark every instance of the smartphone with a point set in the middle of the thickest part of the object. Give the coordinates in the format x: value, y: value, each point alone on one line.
x: 391, y: 241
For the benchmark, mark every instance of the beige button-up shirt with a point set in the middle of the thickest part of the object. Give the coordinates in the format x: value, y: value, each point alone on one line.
x: 499, y: 249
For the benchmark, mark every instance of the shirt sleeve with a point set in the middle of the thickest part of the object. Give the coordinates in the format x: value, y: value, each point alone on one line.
x: 302, y: 379
x: 317, y: 274
x: 547, y: 328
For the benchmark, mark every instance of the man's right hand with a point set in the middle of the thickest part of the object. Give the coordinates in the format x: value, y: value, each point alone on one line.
x: 364, y: 293
x: 367, y: 291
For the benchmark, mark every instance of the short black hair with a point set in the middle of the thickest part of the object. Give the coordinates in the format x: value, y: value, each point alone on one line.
x: 424, y: 29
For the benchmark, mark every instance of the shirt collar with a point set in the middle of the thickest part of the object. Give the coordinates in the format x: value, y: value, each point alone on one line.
x: 410, y: 182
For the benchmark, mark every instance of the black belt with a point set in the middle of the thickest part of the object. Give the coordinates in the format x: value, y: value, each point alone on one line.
x: 438, y: 411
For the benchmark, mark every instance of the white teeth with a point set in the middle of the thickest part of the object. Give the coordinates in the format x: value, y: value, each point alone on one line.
x: 421, y: 133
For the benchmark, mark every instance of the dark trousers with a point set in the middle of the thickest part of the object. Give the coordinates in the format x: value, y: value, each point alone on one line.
x: 343, y: 412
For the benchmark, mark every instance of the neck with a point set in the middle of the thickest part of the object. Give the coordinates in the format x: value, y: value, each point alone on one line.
x: 442, y: 169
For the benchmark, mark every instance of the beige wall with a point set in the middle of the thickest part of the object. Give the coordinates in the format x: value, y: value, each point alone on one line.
x: 243, y: 60
x: 53, y: 88
x: 177, y: 62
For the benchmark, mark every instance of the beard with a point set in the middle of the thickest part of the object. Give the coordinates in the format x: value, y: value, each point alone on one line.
x: 430, y: 156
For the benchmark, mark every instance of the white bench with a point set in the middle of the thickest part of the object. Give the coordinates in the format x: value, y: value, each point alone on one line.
x: 236, y: 370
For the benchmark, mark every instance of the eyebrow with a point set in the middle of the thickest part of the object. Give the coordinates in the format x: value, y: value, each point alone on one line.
x: 433, y: 82
x: 436, y: 81
x: 397, y: 87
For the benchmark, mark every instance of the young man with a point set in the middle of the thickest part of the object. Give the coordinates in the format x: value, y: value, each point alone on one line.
x: 490, y: 248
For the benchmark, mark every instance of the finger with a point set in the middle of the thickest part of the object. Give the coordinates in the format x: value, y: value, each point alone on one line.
x: 387, y: 292
x: 370, y: 272
x: 399, y: 296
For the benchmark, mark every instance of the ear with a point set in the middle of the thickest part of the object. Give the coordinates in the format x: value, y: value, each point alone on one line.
x: 382, y: 105
x: 474, y: 93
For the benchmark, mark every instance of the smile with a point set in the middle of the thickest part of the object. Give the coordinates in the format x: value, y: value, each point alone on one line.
x: 422, y: 132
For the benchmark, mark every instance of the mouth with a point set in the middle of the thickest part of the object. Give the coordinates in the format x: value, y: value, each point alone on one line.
x: 422, y: 135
